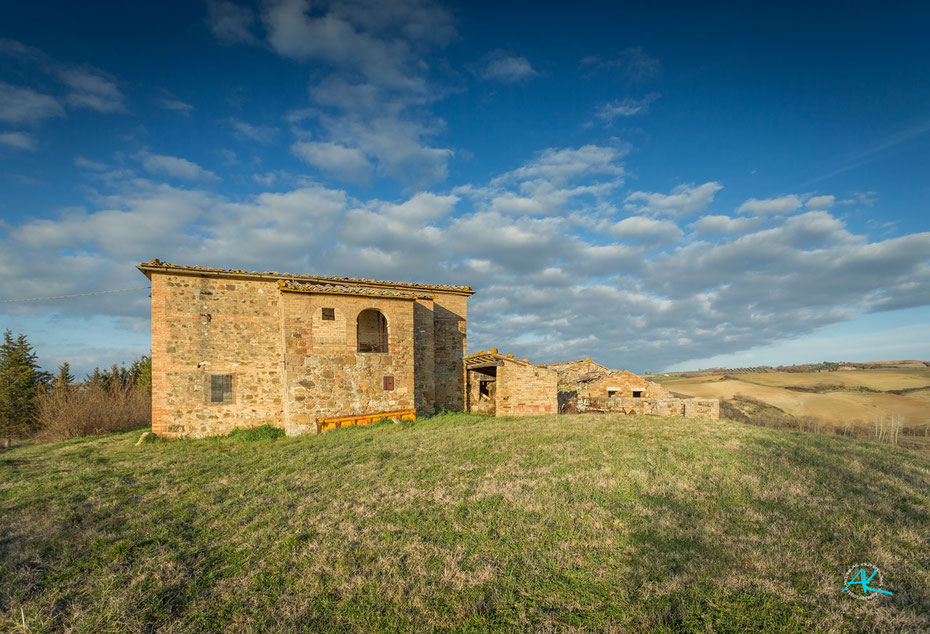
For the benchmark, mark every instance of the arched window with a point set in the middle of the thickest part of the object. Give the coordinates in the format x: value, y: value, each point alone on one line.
x: 372, y: 331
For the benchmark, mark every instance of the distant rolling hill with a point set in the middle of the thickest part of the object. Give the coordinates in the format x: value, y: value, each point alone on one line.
x: 846, y: 399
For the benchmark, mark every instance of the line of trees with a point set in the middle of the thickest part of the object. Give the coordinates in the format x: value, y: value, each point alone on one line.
x: 38, y: 404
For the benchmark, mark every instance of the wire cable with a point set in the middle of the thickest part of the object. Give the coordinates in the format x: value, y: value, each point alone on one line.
x: 40, y: 299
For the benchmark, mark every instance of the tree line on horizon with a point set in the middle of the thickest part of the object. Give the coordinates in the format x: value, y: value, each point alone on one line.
x: 46, y: 406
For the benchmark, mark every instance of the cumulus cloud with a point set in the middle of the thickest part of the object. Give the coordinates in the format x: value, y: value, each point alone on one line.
x: 508, y: 69
x: 92, y: 89
x: 555, y: 280
x: 258, y: 133
x: 230, y: 22
x: 173, y: 166
x: 176, y: 105
x: 625, y: 107
x: 725, y: 225
x: 821, y: 202
x: 17, y: 140
x: 683, y: 201
x: 348, y: 164
x: 776, y: 206
x: 644, y: 228
x: 371, y: 109
x: 19, y: 104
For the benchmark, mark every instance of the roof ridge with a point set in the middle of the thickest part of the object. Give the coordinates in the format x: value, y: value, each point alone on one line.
x: 156, y: 263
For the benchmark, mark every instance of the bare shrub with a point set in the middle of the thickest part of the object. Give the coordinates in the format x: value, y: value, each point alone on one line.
x: 889, y: 429
x: 84, y: 411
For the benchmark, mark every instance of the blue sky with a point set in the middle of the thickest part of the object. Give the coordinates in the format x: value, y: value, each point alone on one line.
x: 656, y: 188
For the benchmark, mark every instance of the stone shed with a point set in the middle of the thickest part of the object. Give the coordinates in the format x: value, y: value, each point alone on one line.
x: 587, y: 386
x: 500, y: 385
x: 233, y: 348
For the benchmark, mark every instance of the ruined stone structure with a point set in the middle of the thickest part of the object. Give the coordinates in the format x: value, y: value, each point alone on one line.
x: 233, y: 348
x: 500, y: 385
x: 586, y: 386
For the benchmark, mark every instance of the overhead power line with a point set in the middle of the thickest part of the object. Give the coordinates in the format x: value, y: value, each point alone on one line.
x: 40, y: 299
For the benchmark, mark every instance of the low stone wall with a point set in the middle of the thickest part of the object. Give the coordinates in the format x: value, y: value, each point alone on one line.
x: 688, y: 407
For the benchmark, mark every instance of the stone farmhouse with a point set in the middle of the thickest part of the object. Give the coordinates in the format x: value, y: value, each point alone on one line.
x: 587, y: 386
x: 233, y: 348
x: 500, y: 385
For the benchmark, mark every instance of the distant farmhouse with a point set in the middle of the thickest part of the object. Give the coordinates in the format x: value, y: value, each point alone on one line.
x: 233, y: 348
x: 308, y: 353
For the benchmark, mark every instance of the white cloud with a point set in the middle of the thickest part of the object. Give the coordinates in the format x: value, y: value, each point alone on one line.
x: 725, y: 225
x: 230, y: 23
x: 176, y: 105
x: 18, y: 140
x: 683, y: 201
x: 641, y: 227
x: 776, y: 206
x: 25, y: 105
x: 625, y: 107
x: 559, y: 275
x: 173, y: 166
x: 821, y: 202
x: 348, y: 164
x: 257, y: 133
x: 92, y: 89
x: 559, y: 166
x: 508, y: 69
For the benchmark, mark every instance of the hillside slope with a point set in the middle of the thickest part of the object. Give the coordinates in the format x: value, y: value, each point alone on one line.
x: 857, y: 397
x: 458, y: 522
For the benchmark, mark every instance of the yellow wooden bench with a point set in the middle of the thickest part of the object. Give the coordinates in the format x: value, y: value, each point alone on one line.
x: 335, y: 422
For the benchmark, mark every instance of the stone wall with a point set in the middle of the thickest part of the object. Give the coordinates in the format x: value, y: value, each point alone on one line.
x: 688, y: 407
x: 326, y: 376
x: 450, y: 313
x: 288, y: 364
x: 623, y: 384
x: 526, y: 390
x: 206, y: 325
x: 478, y: 404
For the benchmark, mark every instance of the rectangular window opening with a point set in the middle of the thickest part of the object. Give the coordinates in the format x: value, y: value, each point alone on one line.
x: 389, y: 383
x: 329, y: 314
x: 637, y: 393
x: 221, y: 388
x: 612, y: 393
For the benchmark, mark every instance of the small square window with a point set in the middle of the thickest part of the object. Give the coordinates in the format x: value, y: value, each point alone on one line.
x: 221, y: 388
x: 329, y: 314
x: 389, y: 383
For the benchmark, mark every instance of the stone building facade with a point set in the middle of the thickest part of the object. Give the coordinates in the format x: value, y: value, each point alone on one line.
x: 233, y: 348
x: 587, y: 386
x: 500, y: 385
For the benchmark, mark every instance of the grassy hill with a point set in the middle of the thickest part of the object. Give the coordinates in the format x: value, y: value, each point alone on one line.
x: 463, y: 522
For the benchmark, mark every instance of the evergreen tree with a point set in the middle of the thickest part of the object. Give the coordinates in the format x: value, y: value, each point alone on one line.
x: 64, y: 379
x: 141, y: 371
x: 21, y: 384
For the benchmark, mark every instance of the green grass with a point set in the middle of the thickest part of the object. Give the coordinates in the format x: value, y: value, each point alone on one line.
x: 461, y: 522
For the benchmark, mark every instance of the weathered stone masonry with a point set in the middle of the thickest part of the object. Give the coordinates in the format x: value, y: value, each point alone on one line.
x: 500, y: 385
x: 287, y: 346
